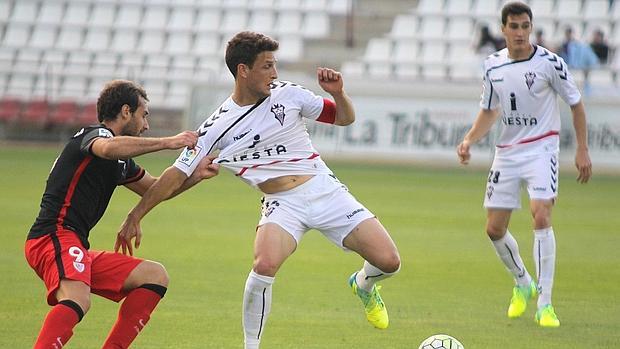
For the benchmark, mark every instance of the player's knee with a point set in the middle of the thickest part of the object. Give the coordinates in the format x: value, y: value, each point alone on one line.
x: 495, y: 232
x: 160, y: 275
x: 154, y: 273
x: 391, y: 264
x: 265, y: 266
x: 541, y: 219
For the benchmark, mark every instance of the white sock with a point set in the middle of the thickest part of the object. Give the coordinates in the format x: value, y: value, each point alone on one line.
x: 507, y: 250
x: 544, y: 256
x: 256, y: 307
x: 369, y: 275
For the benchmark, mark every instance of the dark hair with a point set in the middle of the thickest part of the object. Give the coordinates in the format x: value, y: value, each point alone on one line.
x: 114, y: 95
x: 514, y: 9
x: 244, y: 47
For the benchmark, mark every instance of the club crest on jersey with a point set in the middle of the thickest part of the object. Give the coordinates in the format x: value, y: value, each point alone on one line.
x: 529, y: 79
x: 278, y: 112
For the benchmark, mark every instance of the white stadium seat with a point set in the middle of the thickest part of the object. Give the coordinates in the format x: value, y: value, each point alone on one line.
x: 458, y: 8
x: 43, y: 37
x: 596, y: 9
x: 404, y: 26
x: 51, y: 12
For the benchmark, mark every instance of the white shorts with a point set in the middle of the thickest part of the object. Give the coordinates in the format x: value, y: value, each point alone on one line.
x: 322, y: 203
x: 540, y: 173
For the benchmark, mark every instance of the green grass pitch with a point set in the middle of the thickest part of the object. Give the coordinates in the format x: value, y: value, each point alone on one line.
x: 451, y: 281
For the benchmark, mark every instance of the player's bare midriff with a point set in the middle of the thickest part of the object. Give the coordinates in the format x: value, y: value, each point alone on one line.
x: 280, y: 184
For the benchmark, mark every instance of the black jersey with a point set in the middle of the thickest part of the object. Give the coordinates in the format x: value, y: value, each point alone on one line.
x: 80, y: 186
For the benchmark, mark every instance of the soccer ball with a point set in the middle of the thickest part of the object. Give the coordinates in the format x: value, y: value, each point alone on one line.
x: 441, y: 341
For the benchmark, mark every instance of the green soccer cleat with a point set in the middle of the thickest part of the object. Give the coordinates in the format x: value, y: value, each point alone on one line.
x: 376, y: 313
x: 545, y: 317
x: 520, y: 296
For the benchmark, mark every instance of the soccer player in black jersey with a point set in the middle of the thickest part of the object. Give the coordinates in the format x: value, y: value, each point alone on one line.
x: 93, y: 163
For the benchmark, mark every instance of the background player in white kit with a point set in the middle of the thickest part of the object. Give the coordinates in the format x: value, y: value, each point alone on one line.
x: 523, y: 82
x: 261, y: 137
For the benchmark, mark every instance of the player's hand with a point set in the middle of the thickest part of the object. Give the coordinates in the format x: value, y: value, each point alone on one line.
x: 330, y: 80
x: 183, y: 139
x: 583, y: 164
x: 207, y: 168
x: 462, y: 150
x: 129, y: 230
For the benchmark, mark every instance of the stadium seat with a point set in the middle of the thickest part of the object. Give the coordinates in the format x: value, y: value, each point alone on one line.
x: 233, y: 22
x: 70, y: 38
x: 103, y: 15
x: 262, y: 21
x: 128, y: 16
x: 51, y: 13
x: 316, y: 25
x: 485, y: 10
x: 568, y: 10
x: 24, y: 12
x: 404, y: 26
x: 455, y: 8
x: 64, y: 113
x: 543, y: 8
x: 87, y: 116
x: 21, y: 84
x: 181, y: 18
x: 43, y: 37
x: 124, y: 41
x: 596, y: 10
x: 155, y: 17
x: 208, y: 20
x: 10, y: 108
x: 104, y: 64
x: 460, y: 29
x: 77, y: 13
x: 432, y: 29
x: 289, y: 22
x: 178, y: 43
x: 16, y: 35
x: 97, y: 39
x: 35, y: 113
x: 430, y: 8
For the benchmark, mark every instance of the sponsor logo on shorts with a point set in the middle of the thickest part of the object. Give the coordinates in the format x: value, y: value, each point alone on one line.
x: 350, y: 215
x: 539, y: 188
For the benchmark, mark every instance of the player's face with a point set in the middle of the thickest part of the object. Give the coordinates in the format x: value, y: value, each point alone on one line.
x: 138, y: 122
x: 262, y: 74
x: 517, y: 32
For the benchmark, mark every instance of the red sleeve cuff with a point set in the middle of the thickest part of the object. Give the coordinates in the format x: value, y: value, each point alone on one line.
x: 328, y: 114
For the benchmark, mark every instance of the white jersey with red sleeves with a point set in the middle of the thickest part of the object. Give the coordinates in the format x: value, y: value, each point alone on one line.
x: 262, y: 141
x: 526, y: 92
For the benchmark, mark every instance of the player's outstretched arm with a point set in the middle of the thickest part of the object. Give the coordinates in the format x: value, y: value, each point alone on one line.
x: 124, y: 147
x: 170, y: 181
x: 331, y: 82
x: 582, y: 156
x: 483, y: 123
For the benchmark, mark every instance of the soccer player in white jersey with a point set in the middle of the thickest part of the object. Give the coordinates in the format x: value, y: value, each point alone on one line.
x: 259, y: 134
x: 521, y: 85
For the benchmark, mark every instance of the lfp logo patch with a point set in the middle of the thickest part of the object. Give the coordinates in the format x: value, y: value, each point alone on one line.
x: 189, y: 155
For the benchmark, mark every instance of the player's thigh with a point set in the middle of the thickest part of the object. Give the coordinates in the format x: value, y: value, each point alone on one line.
x: 541, y: 175
x: 109, y: 273
x: 59, y: 256
x: 503, y: 190
x: 373, y: 243
x: 272, y: 246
